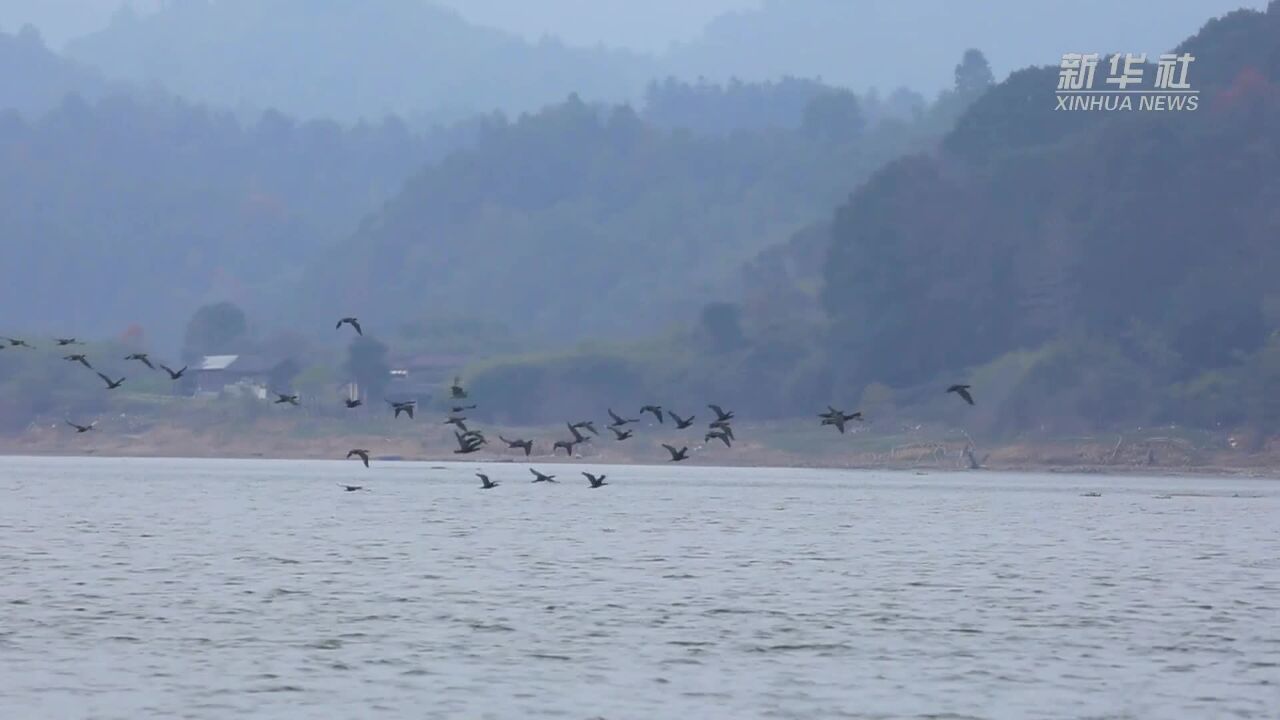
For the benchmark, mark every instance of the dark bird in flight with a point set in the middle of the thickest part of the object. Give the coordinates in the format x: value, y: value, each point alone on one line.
x: 282, y: 398
x: 461, y: 408
x: 485, y: 482
x: 619, y: 421
x: 351, y: 488
x: 594, y: 480
x: 82, y: 428
x: 719, y: 435
x: 681, y: 424
x: 475, y: 436
x: 14, y: 342
x: 362, y: 454
x: 63, y: 342
x: 585, y: 425
x: 723, y: 426
x: 838, y: 418
x: 456, y: 390
x: 566, y: 444
x: 78, y: 358
x: 677, y: 455
x: 656, y: 410
x: 349, y: 321
x: 352, y: 403
x: 142, y: 358
x: 111, y: 384
x: 721, y: 415
x: 466, y: 444
x: 526, y: 445
x: 577, y: 436
x: 621, y: 434
x: 460, y: 422
x: 174, y: 374
x: 403, y: 407
x: 539, y: 477
x: 962, y: 391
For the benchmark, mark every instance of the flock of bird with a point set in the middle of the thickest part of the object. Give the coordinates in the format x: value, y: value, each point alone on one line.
x: 471, y: 440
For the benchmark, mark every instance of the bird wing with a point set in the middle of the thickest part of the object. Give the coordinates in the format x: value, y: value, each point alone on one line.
x: 356, y: 324
x: 965, y: 394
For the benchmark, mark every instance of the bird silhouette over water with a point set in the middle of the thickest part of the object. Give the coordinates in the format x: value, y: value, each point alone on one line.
x: 282, y: 398
x: 677, y: 455
x: 618, y: 420
x: 540, y: 477
x: 63, y: 342
x: 838, y: 418
x: 723, y: 426
x: 350, y: 403
x: 81, y: 429
x: 350, y: 488
x: 719, y: 435
x: 77, y: 357
x: 460, y: 422
x: 485, y: 482
x: 596, y: 481
x: 174, y: 374
x: 361, y: 453
x: 466, y: 444
x: 111, y: 384
x: 962, y: 391
x: 621, y: 434
x: 655, y: 410
x: 681, y: 423
x: 526, y: 445
x: 577, y: 436
x: 721, y: 414
x: 456, y: 409
x: 349, y: 321
x: 568, y: 446
x: 587, y: 425
x: 142, y: 358
x: 403, y: 407
x: 15, y: 342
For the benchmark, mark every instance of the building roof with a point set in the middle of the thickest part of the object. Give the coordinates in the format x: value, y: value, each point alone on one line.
x: 217, y: 362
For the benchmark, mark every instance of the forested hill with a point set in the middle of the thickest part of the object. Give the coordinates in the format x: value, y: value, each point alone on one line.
x: 584, y: 222
x: 347, y: 59
x: 34, y: 80
x: 1132, y: 256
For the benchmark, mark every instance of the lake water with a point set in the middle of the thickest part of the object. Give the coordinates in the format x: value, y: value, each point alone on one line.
x: 222, y: 589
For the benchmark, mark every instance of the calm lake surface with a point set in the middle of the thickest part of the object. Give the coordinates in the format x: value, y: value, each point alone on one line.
x: 223, y: 589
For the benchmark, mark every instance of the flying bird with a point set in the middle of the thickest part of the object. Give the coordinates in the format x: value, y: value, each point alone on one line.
x: 485, y: 482
x: 362, y: 454
x: 723, y: 426
x: 456, y: 390
x: 282, y: 398
x: 80, y: 429
x: 838, y: 418
x: 677, y: 455
x: 619, y: 421
x: 14, y: 342
x: 621, y: 434
x: 461, y: 408
x: 526, y: 445
x: 174, y: 374
x: 403, y: 407
x: 111, y: 384
x: 577, y: 436
x: 540, y: 477
x: 962, y: 391
x: 63, y: 342
x: 349, y: 321
x: 351, y: 488
x: 594, y: 480
x: 681, y: 424
x: 78, y: 358
x: 566, y: 444
x: 461, y: 422
x: 655, y: 410
x: 721, y: 414
x: 466, y: 444
x: 142, y: 358
x: 585, y: 425
x: 352, y: 403
x: 718, y: 435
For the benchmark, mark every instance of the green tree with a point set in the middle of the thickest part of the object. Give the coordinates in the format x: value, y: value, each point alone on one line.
x: 973, y: 74
x: 367, y: 366
x: 213, y: 329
